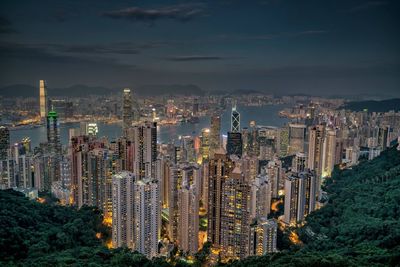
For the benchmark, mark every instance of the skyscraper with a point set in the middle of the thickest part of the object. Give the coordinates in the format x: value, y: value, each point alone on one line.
x: 147, y: 222
x: 328, y: 153
x: 53, y: 133
x: 234, y: 144
x: 299, y: 197
x: 315, y: 147
x: 145, y: 139
x: 205, y: 144
x: 127, y: 109
x: 43, y: 99
x: 122, y: 209
x: 235, y: 120
x: 220, y: 168
x: 215, y: 134
x: 235, y: 216
x: 4, y: 142
x: 297, y: 134
x: 188, y: 222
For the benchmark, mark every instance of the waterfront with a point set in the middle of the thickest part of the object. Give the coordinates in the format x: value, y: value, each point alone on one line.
x: 263, y: 115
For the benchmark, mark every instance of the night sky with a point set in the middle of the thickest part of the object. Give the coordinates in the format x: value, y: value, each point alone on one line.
x: 314, y: 47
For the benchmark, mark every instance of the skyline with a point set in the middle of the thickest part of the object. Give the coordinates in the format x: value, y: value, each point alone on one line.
x: 335, y: 47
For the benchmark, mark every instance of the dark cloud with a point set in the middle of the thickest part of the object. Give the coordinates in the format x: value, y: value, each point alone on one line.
x: 99, y: 49
x: 184, y: 12
x: 6, y: 26
x: 367, y: 5
x: 194, y: 58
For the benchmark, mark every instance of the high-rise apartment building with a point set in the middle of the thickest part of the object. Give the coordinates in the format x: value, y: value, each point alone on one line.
x: 328, y: 153
x: 145, y: 140
x: 147, y: 222
x: 263, y: 236
x: 315, y: 148
x: 188, y: 221
x: 123, y: 210
x: 299, y: 197
x: 220, y: 168
x: 235, y: 216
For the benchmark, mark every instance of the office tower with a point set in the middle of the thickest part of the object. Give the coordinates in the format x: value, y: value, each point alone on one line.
x: 253, y: 145
x: 275, y: 175
x: 127, y: 109
x: 123, y: 195
x: 235, y: 218
x: 299, y: 197
x: 26, y: 142
x: 235, y: 120
x: 297, y: 134
x: 234, y: 145
x: 53, y: 133
x: 205, y: 144
x: 263, y: 236
x: 4, y: 142
x: 22, y: 163
x: 220, y: 168
x: 260, y: 200
x: 315, y: 148
x: 43, y: 99
x: 145, y: 141
x: 147, y: 222
x: 188, y: 222
x: 299, y: 163
x: 328, y: 153
x: 215, y: 134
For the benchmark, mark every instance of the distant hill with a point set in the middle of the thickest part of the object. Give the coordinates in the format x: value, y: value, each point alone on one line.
x: 374, y: 106
x: 23, y: 90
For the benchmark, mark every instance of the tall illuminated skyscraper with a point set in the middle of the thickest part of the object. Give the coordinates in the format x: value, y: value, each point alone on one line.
x: 122, y: 209
x: 205, y: 144
x: 53, y: 132
x: 220, y: 168
x: 127, y: 109
x: 235, y: 120
x: 43, y: 99
x: 234, y: 144
x: 235, y: 216
x: 147, y: 222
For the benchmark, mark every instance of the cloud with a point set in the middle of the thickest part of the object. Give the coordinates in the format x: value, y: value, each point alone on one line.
x: 183, y: 13
x: 194, y: 58
x: 6, y: 26
x: 99, y: 49
x: 367, y: 5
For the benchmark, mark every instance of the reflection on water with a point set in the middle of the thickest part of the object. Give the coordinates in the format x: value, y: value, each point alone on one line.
x: 265, y: 115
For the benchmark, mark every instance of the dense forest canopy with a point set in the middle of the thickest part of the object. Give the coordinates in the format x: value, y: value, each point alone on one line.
x: 359, y: 226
